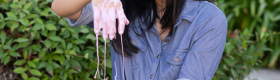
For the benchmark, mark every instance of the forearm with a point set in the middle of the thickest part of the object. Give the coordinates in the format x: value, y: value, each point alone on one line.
x: 69, y: 8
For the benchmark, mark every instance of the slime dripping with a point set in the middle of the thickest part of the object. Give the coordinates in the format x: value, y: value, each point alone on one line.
x: 100, y: 18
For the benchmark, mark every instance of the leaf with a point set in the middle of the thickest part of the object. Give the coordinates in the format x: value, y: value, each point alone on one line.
x: 7, y: 60
x: 31, y: 64
x: 75, y: 63
x: 21, y: 40
x: 62, y: 21
x: 39, y: 20
x: 27, y: 6
x: 24, y: 21
x: 3, y: 37
x: 14, y: 26
x: 19, y: 62
x: 79, y: 41
x: 51, y: 27
x: 21, y: 45
x: 8, y: 44
x: 86, y: 56
x: 33, y: 78
x: 49, y: 68
x: 41, y: 65
x: 84, y: 30
x: 2, y: 25
x: 36, y: 60
x: 36, y: 47
x: 261, y: 9
x: 91, y: 37
x: 14, y: 5
x: 25, y: 54
x: 65, y: 76
x: 274, y: 57
x: 42, y: 53
x: 251, y: 50
x: 85, y: 64
x: 55, y: 38
x: 69, y: 46
x: 229, y: 61
x: 62, y: 59
x: 24, y: 76
x: 71, y: 29
x: 11, y: 15
x: 21, y: 15
x: 55, y: 65
x: 58, y: 50
x: 37, y: 27
x: 233, y: 72
x: 108, y: 63
x: 15, y: 54
x: 3, y: 55
x: 19, y: 70
x: 47, y: 43
x: 253, y: 8
x: 35, y: 72
x: 229, y: 47
x: 26, y: 11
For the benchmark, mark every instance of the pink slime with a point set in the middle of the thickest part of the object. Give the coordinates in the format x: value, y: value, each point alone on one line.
x: 104, y: 17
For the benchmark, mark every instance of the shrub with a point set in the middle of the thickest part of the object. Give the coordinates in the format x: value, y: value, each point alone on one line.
x: 255, y: 43
x: 37, y: 44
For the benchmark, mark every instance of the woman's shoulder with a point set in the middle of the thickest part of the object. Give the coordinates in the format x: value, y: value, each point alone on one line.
x: 196, y: 10
x: 204, y: 16
x: 205, y: 5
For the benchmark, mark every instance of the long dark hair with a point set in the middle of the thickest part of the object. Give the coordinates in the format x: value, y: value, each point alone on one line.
x: 144, y: 9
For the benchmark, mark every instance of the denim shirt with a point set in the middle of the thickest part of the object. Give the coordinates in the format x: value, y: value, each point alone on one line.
x: 192, y: 52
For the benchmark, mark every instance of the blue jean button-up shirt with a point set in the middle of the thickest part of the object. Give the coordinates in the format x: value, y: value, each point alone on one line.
x: 192, y: 52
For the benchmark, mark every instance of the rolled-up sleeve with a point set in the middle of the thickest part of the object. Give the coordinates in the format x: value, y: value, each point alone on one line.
x: 205, y: 54
x: 85, y: 18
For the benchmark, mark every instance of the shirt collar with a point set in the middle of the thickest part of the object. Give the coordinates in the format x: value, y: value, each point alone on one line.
x: 189, y: 11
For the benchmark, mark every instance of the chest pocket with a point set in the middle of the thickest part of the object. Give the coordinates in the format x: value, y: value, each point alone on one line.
x: 177, y: 58
x: 137, y: 38
x: 176, y: 61
x: 141, y: 44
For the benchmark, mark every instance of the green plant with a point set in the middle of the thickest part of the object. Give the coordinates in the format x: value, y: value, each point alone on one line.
x: 255, y: 43
x: 37, y: 44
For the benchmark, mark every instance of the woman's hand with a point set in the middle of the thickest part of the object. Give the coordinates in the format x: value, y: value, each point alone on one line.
x: 105, y: 13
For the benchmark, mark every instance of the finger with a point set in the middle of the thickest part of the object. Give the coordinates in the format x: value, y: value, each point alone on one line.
x: 104, y: 23
x: 126, y: 21
x: 122, y: 20
x: 96, y: 19
x: 112, y: 23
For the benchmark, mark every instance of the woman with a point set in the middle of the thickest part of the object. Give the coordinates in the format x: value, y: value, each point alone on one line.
x: 165, y: 39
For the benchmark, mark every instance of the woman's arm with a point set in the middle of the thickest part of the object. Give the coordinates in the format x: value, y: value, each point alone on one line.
x: 69, y: 8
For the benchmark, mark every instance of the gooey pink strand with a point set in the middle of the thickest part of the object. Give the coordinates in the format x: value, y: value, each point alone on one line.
x: 97, y: 56
x: 105, y: 36
x: 122, y: 58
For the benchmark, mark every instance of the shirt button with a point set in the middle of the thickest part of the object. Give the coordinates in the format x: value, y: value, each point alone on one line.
x: 167, y: 40
x: 151, y: 76
x: 133, y: 42
x: 157, y: 56
x: 176, y: 59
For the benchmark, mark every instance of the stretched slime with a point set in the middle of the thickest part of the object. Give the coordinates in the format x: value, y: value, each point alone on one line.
x: 105, y: 13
